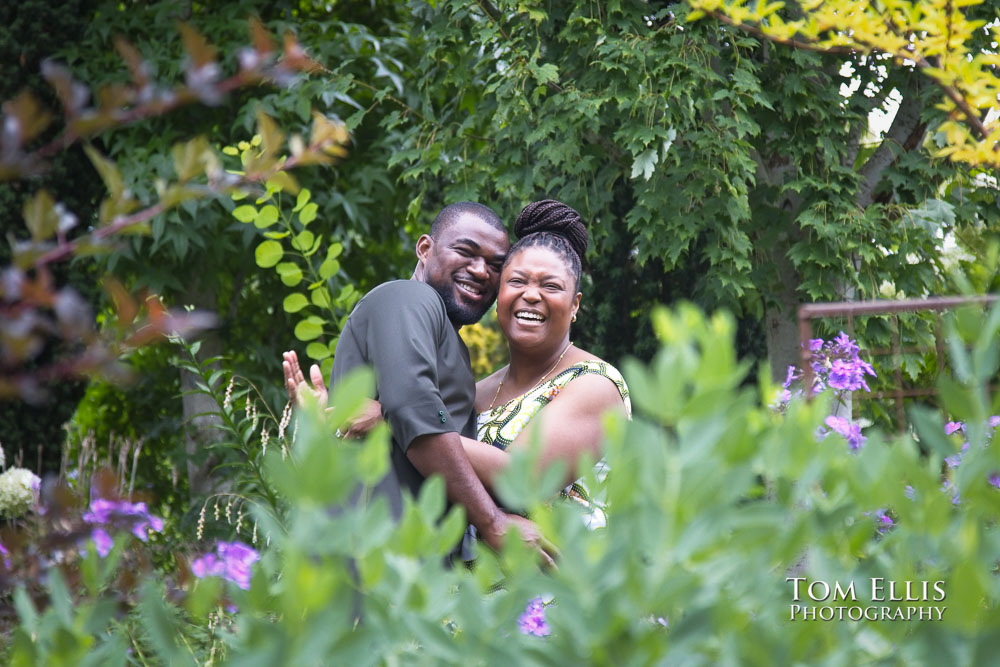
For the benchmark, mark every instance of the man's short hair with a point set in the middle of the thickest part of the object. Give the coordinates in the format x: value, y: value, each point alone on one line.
x: 450, y: 214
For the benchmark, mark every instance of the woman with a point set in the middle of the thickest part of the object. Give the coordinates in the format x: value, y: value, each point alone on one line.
x: 537, y: 302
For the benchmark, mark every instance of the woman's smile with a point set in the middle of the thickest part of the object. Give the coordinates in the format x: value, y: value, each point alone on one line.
x: 537, y: 299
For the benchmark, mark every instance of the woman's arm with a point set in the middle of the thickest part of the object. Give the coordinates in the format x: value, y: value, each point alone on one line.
x: 571, y: 424
x: 488, y: 461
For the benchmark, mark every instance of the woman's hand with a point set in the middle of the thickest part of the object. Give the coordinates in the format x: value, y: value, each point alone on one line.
x: 364, y: 421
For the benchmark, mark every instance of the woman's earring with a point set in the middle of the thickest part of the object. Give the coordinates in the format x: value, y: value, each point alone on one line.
x: 574, y: 317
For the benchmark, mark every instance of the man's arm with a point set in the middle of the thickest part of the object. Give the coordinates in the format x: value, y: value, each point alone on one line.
x: 443, y: 454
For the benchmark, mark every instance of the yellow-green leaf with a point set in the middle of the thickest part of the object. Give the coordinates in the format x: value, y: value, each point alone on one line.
x: 268, y: 254
x: 303, y: 241
x: 40, y: 216
x: 245, y: 213
x: 308, y: 213
x: 328, y: 269
x: 302, y: 199
x: 293, y: 303
x: 290, y: 273
x: 306, y: 330
x: 317, y: 351
x: 320, y: 297
x: 266, y: 217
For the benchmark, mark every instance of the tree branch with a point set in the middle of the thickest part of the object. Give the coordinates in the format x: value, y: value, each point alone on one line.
x: 794, y: 43
x: 902, y: 136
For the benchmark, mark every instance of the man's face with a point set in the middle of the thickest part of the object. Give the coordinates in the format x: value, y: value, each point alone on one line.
x: 463, y: 265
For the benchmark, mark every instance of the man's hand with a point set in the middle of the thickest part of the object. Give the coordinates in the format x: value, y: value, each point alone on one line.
x: 295, y: 381
x: 529, y: 533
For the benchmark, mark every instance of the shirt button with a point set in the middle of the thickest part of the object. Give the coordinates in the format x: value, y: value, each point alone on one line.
x: 441, y: 413
x: 444, y: 419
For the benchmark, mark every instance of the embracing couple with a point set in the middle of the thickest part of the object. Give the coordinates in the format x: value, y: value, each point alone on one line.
x: 445, y: 423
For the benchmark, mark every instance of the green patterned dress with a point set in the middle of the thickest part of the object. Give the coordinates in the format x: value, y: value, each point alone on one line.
x: 501, y: 425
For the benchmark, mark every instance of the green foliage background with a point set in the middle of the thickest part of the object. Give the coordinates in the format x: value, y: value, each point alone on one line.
x: 711, y: 168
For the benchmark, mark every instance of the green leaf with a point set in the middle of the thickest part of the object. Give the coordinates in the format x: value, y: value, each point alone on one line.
x: 245, y: 213
x: 328, y: 269
x: 308, y: 213
x: 282, y: 181
x: 317, y: 351
x: 26, y: 610
x: 644, y: 164
x: 334, y: 251
x: 290, y: 273
x: 307, y: 330
x: 40, y: 216
x: 321, y: 297
x: 160, y: 624
x: 268, y: 254
x: 315, y: 246
x: 303, y: 240
x: 293, y: 303
x: 266, y: 217
x: 302, y: 199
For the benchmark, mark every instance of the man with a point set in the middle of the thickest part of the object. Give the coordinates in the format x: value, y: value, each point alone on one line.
x: 407, y: 330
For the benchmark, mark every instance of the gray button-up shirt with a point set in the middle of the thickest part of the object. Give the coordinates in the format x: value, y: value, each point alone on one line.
x: 423, y: 378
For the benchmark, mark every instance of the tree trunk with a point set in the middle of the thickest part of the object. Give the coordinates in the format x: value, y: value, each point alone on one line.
x: 780, y: 323
x: 200, y: 409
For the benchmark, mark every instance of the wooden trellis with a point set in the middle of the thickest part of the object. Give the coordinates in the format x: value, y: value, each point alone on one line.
x: 849, y: 310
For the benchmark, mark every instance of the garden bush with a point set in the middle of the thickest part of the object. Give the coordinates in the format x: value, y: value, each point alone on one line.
x: 720, y: 511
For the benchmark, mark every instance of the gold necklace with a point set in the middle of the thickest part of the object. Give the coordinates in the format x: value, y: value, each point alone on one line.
x: 540, y: 380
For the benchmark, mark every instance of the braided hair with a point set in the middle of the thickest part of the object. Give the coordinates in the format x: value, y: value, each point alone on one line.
x: 554, y: 225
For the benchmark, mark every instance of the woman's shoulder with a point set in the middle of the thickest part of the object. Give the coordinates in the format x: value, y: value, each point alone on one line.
x: 591, y: 363
x: 586, y: 365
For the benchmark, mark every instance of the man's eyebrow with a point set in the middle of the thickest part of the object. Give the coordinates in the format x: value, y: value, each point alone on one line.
x: 499, y: 257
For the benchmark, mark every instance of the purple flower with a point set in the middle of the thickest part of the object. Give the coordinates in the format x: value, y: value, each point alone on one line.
x: 909, y: 492
x: 955, y: 459
x: 947, y: 487
x: 883, y: 522
x: 102, y: 541
x: 843, y: 345
x: 951, y: 427
x: 994, y: 421
x: 207, y: 566
x: 789, y: 377
x: 532, y: 621
x: 815, y: 344
x: 231, y: 560
x: 6, y: 556
x: 103, y: 511
x: 850, y: 431
x: 850, y: 375
x: 995, y: 480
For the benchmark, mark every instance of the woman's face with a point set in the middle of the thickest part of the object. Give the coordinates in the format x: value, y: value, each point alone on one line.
x: 537, y: 298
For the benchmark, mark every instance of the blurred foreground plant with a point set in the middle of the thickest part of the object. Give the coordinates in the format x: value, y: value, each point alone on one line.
x: 716, y: 505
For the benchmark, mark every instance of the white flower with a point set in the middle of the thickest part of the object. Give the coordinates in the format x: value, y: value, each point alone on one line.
x: 3, y: 459
x: 18, y: 491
